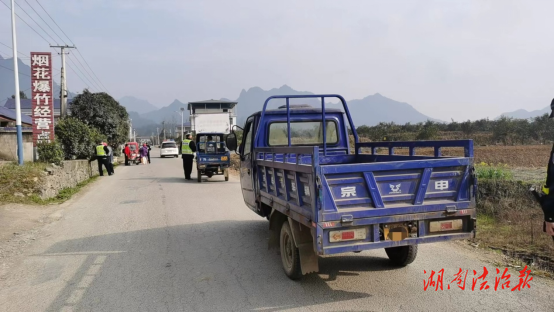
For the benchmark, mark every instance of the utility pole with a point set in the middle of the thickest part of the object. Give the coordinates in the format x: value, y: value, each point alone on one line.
x: 130, y: 129
x: 182, y: 112
x: 163, y: 125
x: 158, y: 135
x: 17, y: 98
x: 63, y: 82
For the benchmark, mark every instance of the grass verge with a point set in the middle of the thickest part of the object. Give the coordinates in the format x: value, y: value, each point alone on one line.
x: 18, y: 182
x: 510, y: 221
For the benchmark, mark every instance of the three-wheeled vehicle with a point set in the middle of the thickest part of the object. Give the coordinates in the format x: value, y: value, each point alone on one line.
x: 212, y: 156
x: 134, y: 156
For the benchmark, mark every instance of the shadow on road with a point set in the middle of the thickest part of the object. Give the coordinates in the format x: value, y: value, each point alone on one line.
x: 216, y: 266
x: 215, y: 179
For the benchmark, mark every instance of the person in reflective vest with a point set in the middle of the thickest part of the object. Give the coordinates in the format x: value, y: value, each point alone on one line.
x: 547, y: 200
x: 188, y: 147
x: 109, y: 158
x: 101, y: 153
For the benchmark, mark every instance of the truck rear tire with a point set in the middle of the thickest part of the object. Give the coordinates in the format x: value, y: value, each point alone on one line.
x: 290, y: 257
x: 403, y: 255
x: 199, y: 174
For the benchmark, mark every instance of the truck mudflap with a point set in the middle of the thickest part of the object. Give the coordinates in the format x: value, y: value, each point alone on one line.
x: 303, y: 240
x: 384, y: 232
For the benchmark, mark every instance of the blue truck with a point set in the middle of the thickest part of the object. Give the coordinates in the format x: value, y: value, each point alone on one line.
x: 212, y: 156
x: 323, y: 195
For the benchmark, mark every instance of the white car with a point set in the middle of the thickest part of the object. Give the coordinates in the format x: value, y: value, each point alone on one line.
x: 169, y: 149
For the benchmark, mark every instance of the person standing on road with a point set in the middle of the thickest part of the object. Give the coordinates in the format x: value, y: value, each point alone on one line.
x: 127, y: 152
x: 149, y: 148
x: 109, y: 160
x: 144, y: 154
x: 101, y: 152
x: 547, y: 200
x: 188, y: 147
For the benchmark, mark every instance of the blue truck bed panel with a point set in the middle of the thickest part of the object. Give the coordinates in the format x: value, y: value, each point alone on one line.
x: 367, y: 190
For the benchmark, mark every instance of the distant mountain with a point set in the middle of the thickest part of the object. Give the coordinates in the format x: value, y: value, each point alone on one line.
x: 132, y: 104
x: 376, y: 108
x: 367, y: 111
x: 7, y: 85
x: 137, y: 120
x: 253, y: 100
x: 168, y: 113
x: 524, y: 114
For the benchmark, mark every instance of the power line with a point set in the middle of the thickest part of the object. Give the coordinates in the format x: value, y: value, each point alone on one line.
x: 35, y: 22
x: 92, y: 70
x: 12, y: 70
x: 78, y: 76
x: 94, y: 80
x: 55, y: 33
x: 76, y: 67
x: 79, y: 52
x: 25, y: 22
x: 9, y: 47
x: 54, y: 22
x: 89, y: 75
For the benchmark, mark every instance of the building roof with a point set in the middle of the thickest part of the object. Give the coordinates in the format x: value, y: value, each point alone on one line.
x: 230, y: 104
x: 213, y: 101
x: 9, y: 114
x: 27, y: 104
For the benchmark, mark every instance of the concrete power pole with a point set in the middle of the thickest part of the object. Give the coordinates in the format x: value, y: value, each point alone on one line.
x: 63, y: 82
x: 17, y: 99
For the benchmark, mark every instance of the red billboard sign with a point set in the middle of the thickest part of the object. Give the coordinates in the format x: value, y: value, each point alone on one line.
x: 42, y: 99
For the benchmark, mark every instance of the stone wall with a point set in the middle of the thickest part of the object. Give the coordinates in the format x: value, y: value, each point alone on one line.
x: 69, y: 175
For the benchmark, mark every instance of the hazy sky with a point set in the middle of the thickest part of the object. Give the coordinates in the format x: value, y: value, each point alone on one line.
x: 449, y: 59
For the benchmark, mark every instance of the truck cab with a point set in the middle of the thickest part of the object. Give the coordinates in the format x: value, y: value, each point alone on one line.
x: 304, y: 169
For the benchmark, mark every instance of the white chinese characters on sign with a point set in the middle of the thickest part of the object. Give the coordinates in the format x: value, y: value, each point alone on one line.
x: 349, y: 191
x: 40, y: 60
x: 395, y: 189
x: 43, y: 110
x: 441, y: 185
x: 41, y: 86
x: 41, y: 73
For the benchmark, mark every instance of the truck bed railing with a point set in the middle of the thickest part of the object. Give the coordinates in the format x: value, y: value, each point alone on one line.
x: 300, y: 158
x: 323, y: 119
x: 436, y: 145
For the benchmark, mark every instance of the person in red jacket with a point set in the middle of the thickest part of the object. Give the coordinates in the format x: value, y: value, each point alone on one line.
x: 127, y: 152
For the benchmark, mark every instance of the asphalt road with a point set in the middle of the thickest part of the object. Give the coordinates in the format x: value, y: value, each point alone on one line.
x: 146, y: 240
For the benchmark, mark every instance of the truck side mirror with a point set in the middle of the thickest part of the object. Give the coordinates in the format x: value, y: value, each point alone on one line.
x: 231, y: 141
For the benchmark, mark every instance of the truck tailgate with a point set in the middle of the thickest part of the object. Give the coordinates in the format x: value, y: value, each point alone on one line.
x: 389, y: 188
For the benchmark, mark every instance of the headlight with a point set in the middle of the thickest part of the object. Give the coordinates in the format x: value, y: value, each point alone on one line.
x: 223, y: 157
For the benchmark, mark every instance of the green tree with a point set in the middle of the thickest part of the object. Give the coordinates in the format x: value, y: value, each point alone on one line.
x: 504, y: 130
x: 467, y: 128
x: 22, y: 95
x: 429, y: 131
x: 77, y: 138
x: 51, y: 153
x: 103, y: 112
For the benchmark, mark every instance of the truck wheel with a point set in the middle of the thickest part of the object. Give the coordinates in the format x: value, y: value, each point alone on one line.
x: 199, y: 176
x: 290, y: 257
x: 403, y: 255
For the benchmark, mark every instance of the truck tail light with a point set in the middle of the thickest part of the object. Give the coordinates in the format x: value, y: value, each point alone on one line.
x: 347, y: 235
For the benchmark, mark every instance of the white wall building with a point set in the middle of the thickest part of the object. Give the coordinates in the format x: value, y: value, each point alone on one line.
x: 212, y: 107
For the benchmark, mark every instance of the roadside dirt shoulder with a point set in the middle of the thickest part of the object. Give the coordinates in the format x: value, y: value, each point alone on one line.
x: 20, y: 226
